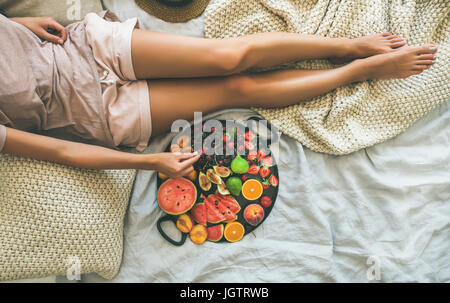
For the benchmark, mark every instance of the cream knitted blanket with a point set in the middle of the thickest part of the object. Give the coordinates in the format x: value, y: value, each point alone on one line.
x: 358, y: 115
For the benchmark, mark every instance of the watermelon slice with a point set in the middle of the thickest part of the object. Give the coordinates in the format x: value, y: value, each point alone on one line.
x: 215, y: 233
x: 198, y: 212
x: 229, y: 202
x: 177, y: 196
x: 229, y: 215
x: 212, y: 213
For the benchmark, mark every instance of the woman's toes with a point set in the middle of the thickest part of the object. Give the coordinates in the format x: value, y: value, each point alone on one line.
x: 398, y: 44
x: 426, y: 49
x: 425, y: 62
x: 420, y: 67
x: 426, y: 57
x: 386, y: 34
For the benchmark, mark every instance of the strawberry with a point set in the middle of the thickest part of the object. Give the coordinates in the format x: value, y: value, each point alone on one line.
x: 261, y: 154
x: 264, y: 171
x: 244, y: 178
x: 230, y: 144
x: 252, y: 155
x: 266, y: 201
x: 253, y: 169
x: 249, y: 136
x: 273, y: 181
x: 267, y: 161
x: 249, y: 145
x: 266, y: 186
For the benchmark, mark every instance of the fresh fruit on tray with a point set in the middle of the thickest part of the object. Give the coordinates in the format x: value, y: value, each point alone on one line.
x: 207, y: 203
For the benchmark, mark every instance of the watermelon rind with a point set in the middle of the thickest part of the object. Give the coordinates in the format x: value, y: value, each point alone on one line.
x: 197, y: 219
x: 212, y: 237
x: 184, y: 211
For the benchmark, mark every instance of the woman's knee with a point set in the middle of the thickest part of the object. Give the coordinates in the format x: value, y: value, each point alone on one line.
x: 230, y: 56
x: 241, y: 90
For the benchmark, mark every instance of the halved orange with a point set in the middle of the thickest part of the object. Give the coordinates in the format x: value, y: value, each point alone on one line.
x: 234, y: 231
x: 252, y: 189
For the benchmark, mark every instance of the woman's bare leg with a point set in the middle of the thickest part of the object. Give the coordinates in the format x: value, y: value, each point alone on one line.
x: 161, y: 55
x: 173, y: 99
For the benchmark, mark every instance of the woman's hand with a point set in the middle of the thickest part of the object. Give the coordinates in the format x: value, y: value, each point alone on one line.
x: 45, y: 28
x: 176, y: 164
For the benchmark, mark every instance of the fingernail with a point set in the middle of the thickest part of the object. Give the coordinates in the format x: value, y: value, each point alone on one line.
x: 195, y: 153
x: 60, y: 41
x: 433, y: 49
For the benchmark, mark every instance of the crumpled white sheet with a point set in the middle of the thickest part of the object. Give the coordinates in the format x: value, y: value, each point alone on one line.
x: 389, y: 202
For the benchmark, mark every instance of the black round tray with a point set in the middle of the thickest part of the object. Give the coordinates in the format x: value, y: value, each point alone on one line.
x: 271, y: 191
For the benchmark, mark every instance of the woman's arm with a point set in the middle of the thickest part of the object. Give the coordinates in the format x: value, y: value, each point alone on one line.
x: 94, y: 157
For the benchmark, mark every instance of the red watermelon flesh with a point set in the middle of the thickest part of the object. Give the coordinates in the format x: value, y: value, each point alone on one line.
x: 230, y: 202
x: 229, y: 215
x: 177, y: 196
x: 198, y: 212
x: 215, y: 233
x: 212, y: 213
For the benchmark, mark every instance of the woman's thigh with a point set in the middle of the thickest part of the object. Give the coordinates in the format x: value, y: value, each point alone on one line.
x: 160, y: 55
x: 173, y: 99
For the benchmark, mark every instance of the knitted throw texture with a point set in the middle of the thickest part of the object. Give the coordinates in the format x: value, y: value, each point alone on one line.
x: 55, y: 219
x: 362, y: 114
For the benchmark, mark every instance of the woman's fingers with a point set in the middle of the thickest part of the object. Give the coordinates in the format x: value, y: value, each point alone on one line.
x: 59, y: 28
x: 190, y: 161
x: 54, y: 32
x: 50, y: 37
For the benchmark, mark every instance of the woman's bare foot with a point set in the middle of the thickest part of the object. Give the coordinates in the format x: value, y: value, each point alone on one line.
x: 367, y: 46
x: 408, y: 61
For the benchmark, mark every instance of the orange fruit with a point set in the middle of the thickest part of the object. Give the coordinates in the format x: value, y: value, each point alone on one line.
x: 192, y: 175
x: 252, y: 189
x: 234, y: 231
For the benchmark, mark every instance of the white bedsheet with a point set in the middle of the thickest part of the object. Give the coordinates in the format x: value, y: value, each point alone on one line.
x: 390, y: 202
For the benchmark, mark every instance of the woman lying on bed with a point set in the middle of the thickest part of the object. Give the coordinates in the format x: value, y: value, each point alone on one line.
x: 112, y: 84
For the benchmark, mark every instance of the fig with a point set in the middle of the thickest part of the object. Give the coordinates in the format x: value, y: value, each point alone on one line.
x: 204, y: 182
x: 223, y: 190
x: 222, y: 171
x: 213, y: 177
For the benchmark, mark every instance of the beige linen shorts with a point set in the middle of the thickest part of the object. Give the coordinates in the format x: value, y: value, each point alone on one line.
x: 126, y: 99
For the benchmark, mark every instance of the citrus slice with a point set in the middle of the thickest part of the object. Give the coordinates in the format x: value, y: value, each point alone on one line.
x: 252, y: 189
x: 234, y: 231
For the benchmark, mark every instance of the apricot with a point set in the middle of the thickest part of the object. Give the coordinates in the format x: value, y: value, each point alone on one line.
x: 184, y: 141
x: 174, y: 148
x: 162, y: 176
x: 198, y: 234
x: 192, y: 175
x: 185, y: 223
